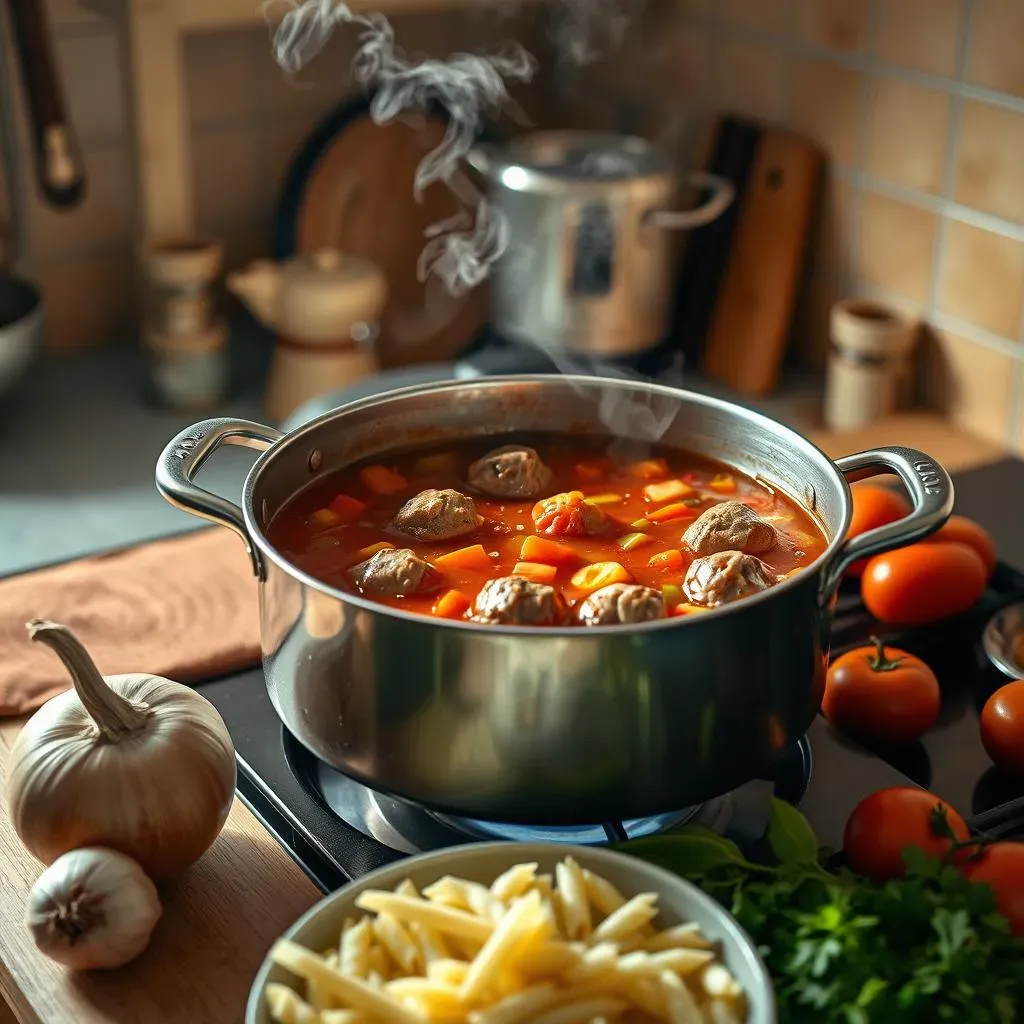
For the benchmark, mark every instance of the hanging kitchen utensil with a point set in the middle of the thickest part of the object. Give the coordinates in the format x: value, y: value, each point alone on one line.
x: 58, y: 162
x: 350, y: 188
x: 21, y: 302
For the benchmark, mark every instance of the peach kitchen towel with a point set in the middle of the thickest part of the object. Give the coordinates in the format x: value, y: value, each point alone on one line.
x: 185, y: 608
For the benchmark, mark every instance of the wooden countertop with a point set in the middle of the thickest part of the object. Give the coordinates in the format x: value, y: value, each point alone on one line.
x: 221, y: 918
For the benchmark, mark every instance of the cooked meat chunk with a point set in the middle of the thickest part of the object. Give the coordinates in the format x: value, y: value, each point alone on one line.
x: 730, y: 526
x: 725, y: 576
x: 514, y: 601
x: 436, y: 515
x: 568, y: 515
x: 621, y: 603
x: 513, y: 471
x: 395, y: 573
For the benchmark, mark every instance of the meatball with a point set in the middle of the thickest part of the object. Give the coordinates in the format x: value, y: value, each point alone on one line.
x: 730, y: 526
x: 395, y: 573
x: 568, y: 515
x: 513, y: 471
x: 436, y: 515
x: 621, y: 603
x: 514, y: 601
x: 725, y: 576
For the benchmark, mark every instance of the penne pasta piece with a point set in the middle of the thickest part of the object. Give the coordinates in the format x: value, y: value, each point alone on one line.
x: 686, y: 936
x: 680, y: 1003
x: 629, y: 918
x: 603, y: 896
x: 352, y: 991
x: 285, y: 1006
x: 523, y: 917
x: 354, y: 959
x: 575, y: 910
x: 446, y: 920
x: 514, y: 882
x: 581, y: 1013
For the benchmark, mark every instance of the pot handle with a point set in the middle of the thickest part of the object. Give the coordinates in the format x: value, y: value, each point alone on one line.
x: 186, y: 453
x: 722, y: 195
x: 931, y: 493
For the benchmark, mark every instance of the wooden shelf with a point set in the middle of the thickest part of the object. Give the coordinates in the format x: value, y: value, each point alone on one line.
x: 156, y: 30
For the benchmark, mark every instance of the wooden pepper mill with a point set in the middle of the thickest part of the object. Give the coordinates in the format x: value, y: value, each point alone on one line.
x: 324, y: 308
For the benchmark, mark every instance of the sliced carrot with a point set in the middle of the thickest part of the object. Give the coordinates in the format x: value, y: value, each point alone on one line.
x: 667, y: 490
x: 372, y: 549
x: 587, y: 472
x: 324, y: 519
x: 535, y: 572
x: 632, y: 541
x: 649, y: 469
x: 382, y: 480
x: 453, y: 604
x: 667, y: 512
x: 723, y: 483
x: 549, y: 552
x: 347, y: 509
x: 667, y: 561
x: 687, y: 609
x: 600, y: 574
x: 473, y: 557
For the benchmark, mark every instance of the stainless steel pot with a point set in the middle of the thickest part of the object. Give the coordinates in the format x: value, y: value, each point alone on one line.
x: 590, y: 266
x: 555, y: 725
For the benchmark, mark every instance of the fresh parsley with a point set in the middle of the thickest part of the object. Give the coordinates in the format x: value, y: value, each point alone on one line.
x: 843, y: 950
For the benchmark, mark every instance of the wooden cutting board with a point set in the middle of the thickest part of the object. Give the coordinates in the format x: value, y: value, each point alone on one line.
x: 754, y: 312
x: 358, y: 198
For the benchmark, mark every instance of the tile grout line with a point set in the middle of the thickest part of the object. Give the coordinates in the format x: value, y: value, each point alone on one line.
x: 950, y: 160
x: 870, y: 64
x: 851, y: 278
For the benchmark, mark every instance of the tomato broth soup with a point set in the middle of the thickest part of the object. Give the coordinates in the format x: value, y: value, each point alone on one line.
x: 543, y: 530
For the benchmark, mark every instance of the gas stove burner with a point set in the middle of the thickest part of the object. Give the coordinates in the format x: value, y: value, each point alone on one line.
x: 408, y: 828
x: 577, y: 835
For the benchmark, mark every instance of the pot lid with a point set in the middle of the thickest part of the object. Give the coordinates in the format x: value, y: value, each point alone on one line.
x: 560, y: 158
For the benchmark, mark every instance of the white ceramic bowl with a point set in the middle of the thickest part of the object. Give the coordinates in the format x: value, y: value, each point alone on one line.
x: 678, y: 901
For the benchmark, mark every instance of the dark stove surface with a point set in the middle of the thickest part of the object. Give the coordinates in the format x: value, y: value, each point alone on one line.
x: 336, y: 829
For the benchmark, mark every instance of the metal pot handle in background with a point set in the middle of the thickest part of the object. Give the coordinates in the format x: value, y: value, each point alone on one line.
x: 722, y: 196
x: 59, y: 168
x: 185, y: 454
x: 931, y: 495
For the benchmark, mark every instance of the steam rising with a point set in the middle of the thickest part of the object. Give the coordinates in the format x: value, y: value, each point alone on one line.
x: 459, y: 251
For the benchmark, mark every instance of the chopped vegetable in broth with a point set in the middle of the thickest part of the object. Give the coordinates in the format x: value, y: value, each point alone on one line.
x: 541, y: 530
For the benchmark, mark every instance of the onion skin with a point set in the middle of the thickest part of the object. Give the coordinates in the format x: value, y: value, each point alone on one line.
x: 148, y: 770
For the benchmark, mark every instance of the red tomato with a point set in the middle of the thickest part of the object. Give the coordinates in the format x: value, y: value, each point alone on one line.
x: 885, y: 823
x: 1002, y: 728
x: 881, y: 694
x: 873, y: 506
x: 1002, y: 867
x: 923, y: 583
x: 961, y: 530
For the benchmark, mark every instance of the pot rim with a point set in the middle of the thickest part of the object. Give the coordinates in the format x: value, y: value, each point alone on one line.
x: 792, y: 582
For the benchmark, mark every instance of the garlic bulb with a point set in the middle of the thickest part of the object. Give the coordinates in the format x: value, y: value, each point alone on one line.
x: 131, y: 762
x: 92, y: 908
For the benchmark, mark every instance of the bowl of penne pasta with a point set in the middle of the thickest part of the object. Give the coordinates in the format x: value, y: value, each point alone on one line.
x: 515, y: 933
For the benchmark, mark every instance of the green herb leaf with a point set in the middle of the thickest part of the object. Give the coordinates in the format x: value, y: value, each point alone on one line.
x: 689, y: 852
x: 790, y: 836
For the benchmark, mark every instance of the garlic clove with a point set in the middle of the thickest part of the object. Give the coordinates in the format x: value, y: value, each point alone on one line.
x: 92, y: 908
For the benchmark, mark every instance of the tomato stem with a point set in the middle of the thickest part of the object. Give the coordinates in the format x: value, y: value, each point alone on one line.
x: 880, y: 661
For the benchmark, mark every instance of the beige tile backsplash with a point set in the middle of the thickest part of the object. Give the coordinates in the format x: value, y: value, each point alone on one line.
x: 919, y: 105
